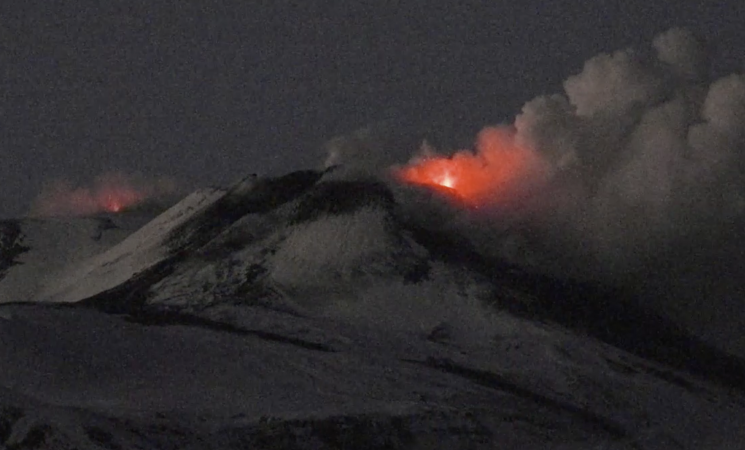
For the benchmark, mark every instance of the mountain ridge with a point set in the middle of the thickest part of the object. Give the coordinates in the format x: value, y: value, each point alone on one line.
x: 602, y: 312
x: 357, y: 325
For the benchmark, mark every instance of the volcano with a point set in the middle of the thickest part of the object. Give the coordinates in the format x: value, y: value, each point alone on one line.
x: 310, y: 311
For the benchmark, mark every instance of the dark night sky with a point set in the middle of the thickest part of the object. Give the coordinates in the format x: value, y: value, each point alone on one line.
x: 207, y: 92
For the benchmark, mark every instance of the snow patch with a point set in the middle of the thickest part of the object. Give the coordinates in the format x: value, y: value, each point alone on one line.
x: 440, y: 307
x: 55, y: 244
x: 333, y: 248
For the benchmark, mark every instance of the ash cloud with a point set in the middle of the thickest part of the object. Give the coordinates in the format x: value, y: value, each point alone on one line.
x: 654, y: 148
x: 643, y: 149
x: 107, y: 193
x: 645, y: 189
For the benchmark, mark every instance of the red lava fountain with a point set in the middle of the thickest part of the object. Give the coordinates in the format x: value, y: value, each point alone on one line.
x: 498, y: 173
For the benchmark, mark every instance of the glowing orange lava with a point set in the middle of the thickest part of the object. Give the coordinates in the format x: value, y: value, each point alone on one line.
x: 111, y: 194
x: 114, y: 199
x: 497, y: 173
x: 113, y: 206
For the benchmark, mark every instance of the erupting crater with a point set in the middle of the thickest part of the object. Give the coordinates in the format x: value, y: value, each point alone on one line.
x: 498, y: 173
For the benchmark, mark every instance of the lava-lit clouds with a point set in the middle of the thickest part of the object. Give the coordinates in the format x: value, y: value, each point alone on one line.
x: 498, y: 173
x: 639, y: 150
x: 109, y: 193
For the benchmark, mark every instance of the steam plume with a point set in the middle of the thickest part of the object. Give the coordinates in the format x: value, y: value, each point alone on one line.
x: 637, y: 151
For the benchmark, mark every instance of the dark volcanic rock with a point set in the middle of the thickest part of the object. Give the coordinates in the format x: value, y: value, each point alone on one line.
x: 11, y: 245
x: 340, y: 197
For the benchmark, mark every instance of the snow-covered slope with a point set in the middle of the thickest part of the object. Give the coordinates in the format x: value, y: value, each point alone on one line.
x: 35, y: 252
x: 273, y: 380
x: 308, y: 312
x: 139, y: 251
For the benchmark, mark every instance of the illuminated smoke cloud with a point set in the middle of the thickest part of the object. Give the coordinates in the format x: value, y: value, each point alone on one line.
x: 639, y: 150
x: 499, y: 172
x: 109, y: 193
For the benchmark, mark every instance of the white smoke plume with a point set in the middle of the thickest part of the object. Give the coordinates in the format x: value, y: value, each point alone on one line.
x: 371, y: 149
x: 643, y: 149
x: 641, y: 182
x: 656, y: 149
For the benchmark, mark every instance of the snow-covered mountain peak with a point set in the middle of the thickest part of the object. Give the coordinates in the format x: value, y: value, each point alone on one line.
x: 313, y: 311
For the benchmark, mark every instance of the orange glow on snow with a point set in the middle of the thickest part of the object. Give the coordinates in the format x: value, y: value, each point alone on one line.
x: 497, y: 173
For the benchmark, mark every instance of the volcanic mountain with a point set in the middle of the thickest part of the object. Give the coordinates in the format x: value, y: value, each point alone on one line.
x: 316, y: 311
